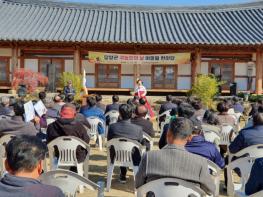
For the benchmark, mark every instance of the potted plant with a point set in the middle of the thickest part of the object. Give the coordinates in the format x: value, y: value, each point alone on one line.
x: 26, y: 81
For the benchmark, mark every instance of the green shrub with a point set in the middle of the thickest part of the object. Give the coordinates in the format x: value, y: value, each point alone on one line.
x: 205, y: 88
x: 76, y: 82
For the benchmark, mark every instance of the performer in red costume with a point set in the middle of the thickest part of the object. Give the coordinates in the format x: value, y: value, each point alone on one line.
x: 141, y: 92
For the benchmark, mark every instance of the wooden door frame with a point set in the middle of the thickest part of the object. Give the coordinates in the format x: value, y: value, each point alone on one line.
x: 7, y: 59
x: 164, y: 66
x: 49, y: 58
x: 97, y: 71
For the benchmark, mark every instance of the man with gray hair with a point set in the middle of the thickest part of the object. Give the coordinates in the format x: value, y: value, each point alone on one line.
x: 4, y: 107
x: 173, y: 161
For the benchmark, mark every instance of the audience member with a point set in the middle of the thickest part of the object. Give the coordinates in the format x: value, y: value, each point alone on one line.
x: 91, y: 110
x: 142, y: 101
x: 51, y: 112
x: 198, y: 145
x: 168, y: 105
x: 16, y: 125
x: 69, y: 98
x: 124, y: 128
x: 115, y: 104
x: 223, y: 116
x: 238, y: 107
x: 80, y: 117
x: 255, y: 181
x: 174, y: 161
x: 24, y: 163
x: 66, y: 125
x: 59, y: 102
x: 249, y: 136
x: 69, y: 89
x: 184, y: 110
x: 42, y: 96
x: 5, y: 109
x: 199, y: 111
x: 99, y: 103
x: 147, y: 126
x: 211, y: 122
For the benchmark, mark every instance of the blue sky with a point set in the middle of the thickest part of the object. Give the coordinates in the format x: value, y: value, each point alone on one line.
x: 162, y: 2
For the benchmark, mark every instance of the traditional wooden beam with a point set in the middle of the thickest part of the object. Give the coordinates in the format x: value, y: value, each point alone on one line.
x: 259, y: 65
x: 14, y: 59
x: 76, y: 64
x: 196, y: 65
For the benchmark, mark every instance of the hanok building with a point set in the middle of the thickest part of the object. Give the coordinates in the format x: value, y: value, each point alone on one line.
x: 224, y: 40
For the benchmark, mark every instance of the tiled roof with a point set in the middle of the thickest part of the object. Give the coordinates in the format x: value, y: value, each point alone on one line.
x: 39, y: 20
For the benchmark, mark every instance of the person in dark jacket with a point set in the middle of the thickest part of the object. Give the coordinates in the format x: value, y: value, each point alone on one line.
x: 255, y: 181
x: 249, y: 136
x: 147, y: 126
x: 69, y: 89
x: 199, y: 146
x: 124, y: 128
x: 66, y: 125
x: 115, y: 104
x: 99, y: 103
x: 24, y: 163
x: 168, y: 105
x: 16, y: 125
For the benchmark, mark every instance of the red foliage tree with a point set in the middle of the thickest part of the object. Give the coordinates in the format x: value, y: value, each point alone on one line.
x: 28, y: 78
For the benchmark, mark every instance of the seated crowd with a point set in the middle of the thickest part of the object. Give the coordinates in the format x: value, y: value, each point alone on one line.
x: 184, y: 149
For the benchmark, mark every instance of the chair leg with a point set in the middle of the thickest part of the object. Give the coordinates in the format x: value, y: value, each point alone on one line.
x: 109, y: 176
x: 100, y: 142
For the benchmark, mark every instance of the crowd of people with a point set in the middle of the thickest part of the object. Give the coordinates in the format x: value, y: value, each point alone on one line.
x: 183, y: 153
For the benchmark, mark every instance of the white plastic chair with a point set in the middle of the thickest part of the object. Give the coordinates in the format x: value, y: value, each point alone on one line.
x: 149, y: 139
x: 215, y: 173
x: 226, y: 131
x: 251, y: 151
x: 67, y: 146
x: 123, y: 156
x: 113, y: 115
x: 211, y: 135
x: 93, y: 131
x: 69, y: 182
x: 244, y: 164
x: 169, y: 187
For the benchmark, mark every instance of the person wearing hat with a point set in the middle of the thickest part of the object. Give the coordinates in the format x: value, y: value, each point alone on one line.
x: 198, y: 145
x: 66, y: 125
x: 141, y: 92
x: 174, y: 161
x: 69, y: 89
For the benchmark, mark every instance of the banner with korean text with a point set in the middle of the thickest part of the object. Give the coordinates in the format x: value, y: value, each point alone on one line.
x: 112, y: 58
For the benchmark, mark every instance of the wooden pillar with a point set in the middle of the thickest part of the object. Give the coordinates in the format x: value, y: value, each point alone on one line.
x: 259, y: 65
x: 196, y: 64
x: 135, y: 73
x: 76, y: 65
x: 14, y: 59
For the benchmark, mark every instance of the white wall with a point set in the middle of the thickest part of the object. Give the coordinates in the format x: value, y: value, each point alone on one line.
x: 127, y: 68
x: 183, y: 83
x: 127, y: 82
x: 204, y: 68
x: 31, y: 64
x: 89, y: 67
x: 90, y: 81
x: 69, y: 66
x: 184, y: 69
x: 145, y: 69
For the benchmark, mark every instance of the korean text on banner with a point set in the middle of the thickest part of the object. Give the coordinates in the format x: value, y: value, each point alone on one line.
x: 112, y: 58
